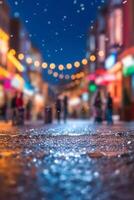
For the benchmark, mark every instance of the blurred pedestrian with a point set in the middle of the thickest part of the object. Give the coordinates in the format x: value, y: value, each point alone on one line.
x: 109, y: 110
x: 65, y: 108
x: 98, y: 107
x: 14, y: 109
x: 20, y: 108
x: 3, y: 108
x: 28, y: 109
x: 58, y: 110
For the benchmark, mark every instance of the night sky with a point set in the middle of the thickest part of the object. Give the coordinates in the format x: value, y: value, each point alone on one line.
x: 58, y: 27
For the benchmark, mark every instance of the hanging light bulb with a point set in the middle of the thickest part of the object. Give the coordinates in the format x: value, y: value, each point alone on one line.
x: 52, y: 66
x: 44, y: 65
x: 21, y: 56
x: 77, y: 64
x: 69, y: 66
x: 29, y: 60
x: 61, y: 67
x: 84, y: 61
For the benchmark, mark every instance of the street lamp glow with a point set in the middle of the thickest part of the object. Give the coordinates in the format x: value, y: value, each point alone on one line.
x: 77, y: 64
x: 44, y: 65
x: 84, y: 61
x: 21, y: 56
x: 52, y: 66
x: 61, y: 67
x: 69, y: 66
x: 29, y: 60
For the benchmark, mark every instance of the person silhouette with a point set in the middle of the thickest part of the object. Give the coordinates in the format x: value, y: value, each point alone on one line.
x: 65, y: 108
x: 98, y: 108
x: 58, y: 110
x: 109, y: 109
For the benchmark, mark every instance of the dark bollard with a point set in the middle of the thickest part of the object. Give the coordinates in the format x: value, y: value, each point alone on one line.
x: 48, y: 115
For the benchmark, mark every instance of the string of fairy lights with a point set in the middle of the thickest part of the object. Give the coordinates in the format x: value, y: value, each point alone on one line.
x: 52, y: 66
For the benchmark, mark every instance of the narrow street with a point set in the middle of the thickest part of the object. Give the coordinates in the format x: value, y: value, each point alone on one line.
x: 76, y: 160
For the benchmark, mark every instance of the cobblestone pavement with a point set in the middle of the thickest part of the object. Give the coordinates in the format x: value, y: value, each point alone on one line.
x: 70, y: 161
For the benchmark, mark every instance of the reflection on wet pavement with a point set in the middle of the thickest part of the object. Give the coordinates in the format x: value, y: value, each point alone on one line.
x: 72, y: 161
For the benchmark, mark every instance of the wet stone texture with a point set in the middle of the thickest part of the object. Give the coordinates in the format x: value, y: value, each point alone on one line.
x: 70, y: 161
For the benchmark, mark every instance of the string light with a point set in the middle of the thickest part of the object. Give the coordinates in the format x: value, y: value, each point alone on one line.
x: 69, y: 66
x: 52, y: 66
x: 44, y: 65
x: 77, y: 64
x: 29, y: 60
x: 67, y: 77
x: 55, y: 74
x: 61, y: 67
x: 73, y: 77
x: 101, y: 53
x: 84, y: 61
x: 36, y: 63
x: 92, y: 58
x: 21, y: 56
x: 61, y: 76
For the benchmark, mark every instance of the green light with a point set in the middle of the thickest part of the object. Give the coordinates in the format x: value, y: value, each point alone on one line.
x: 92, y: 87
x: 128, y: 71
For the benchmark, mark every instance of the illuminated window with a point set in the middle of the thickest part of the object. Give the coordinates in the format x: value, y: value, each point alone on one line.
x: 3, y: 51
x: 116, y: 27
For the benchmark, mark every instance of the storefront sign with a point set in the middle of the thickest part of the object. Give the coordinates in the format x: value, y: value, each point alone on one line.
x: 110, y: 61
x: 128, y: 65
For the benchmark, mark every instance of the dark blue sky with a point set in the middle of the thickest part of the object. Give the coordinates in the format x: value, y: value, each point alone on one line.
x: 58, y: 27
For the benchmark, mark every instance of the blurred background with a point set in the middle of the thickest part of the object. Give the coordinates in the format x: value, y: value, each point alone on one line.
x: 107, y: 65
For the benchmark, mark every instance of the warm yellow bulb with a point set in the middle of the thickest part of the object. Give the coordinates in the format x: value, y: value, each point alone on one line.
x: 21, y: 56
x: 69, y: 66
x: 36, y: 63
x: 52, y: 66
x: 84, y: 61
x: 44, y: 65
x: 29, y: 60
x: 61, y: 67
x: 92, y: 58
x: 77, y: 64
x: 78, y: 76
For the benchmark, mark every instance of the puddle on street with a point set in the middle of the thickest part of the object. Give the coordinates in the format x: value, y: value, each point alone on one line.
x: 37, y: 165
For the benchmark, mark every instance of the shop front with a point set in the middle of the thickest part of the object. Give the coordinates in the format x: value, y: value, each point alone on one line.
x: 115, y: 87
x: 127, y: 59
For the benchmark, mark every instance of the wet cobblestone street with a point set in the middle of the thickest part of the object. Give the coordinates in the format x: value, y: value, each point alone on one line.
x: 71, y: 161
